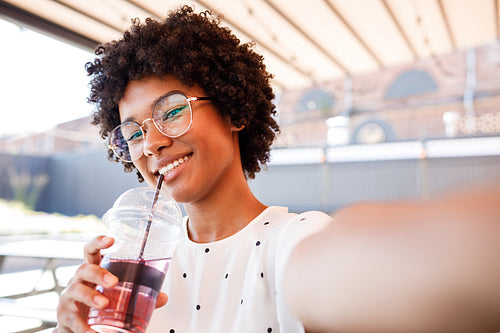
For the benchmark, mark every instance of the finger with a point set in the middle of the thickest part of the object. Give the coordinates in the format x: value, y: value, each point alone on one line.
x: 161, y: 300
x: 79, y: 294
x: 93, y: 274
x: 92, y: 250
x: 71, y: 322
x: 72, y: 314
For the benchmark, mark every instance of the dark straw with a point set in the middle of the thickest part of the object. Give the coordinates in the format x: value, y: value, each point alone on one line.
x: 129, y: 316
x: 150, y: 217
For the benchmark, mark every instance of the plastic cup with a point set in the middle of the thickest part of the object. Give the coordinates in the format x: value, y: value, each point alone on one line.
x: 132, y: 301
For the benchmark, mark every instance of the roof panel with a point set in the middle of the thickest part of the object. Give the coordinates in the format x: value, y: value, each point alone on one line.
x: 284, y: 75
x: 117, y: 13
x: 321, y: 39
x: 272, y: 30
x: 375, y: 27
x: 479, y: 27
x: 423, y: 24
x: 161, y: 8
x: 320, y: 23
x: 65, y: 17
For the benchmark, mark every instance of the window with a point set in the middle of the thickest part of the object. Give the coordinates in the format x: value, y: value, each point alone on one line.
x: 315, y: 99
x: 411, y: 83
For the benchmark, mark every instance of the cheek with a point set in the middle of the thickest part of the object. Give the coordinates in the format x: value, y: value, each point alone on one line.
x: 141, y: 165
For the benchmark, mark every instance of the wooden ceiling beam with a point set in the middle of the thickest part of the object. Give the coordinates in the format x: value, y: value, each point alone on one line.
x: 22, y: 17
x: 497, y: 23
x: 354, y: 33
x: 276, y: 83
x: 334, y: 60
x: 400, y: 29
x: 142, y: 7
x: 86, y: 14
x: 264, y: 45
x: 447, y: 24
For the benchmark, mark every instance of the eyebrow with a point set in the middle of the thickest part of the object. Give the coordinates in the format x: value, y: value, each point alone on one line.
x: 159, y: 98
x: 128, y: 119
x: 153, y: 103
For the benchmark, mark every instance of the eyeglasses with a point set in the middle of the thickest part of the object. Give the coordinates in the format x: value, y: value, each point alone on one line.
x: 172, y: 116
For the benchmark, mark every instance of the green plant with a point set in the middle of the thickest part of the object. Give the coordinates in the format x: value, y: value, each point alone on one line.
x: 26, y: 186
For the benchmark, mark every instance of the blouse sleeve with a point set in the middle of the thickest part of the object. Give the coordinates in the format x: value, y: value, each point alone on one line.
x: 294, y: 231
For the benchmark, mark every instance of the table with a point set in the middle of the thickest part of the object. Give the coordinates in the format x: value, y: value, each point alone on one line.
x: 49, y: 251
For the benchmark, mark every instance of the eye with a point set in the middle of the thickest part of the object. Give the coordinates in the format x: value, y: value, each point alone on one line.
x: 174, y: 113
x: 134, y: 136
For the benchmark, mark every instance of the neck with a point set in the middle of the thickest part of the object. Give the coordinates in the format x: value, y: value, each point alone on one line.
x: 228, y: 206
x: 214, y: 219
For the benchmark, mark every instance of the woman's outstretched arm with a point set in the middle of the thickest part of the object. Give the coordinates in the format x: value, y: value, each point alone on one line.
x: 403, y: 267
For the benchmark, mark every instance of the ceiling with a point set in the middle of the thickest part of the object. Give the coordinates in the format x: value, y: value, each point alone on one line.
x: 303, y: 42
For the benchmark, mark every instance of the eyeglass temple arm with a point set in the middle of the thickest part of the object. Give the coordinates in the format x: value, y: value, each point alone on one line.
x: 191, y: 99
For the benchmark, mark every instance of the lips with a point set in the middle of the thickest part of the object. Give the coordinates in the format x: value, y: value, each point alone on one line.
x: 172, y: 165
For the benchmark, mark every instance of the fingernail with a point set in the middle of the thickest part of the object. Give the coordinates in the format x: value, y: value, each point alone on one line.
x: 100, y: 300
x: 110, y: 279
x: 106, y: 239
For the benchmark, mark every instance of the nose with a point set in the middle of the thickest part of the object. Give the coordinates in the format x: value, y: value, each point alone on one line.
x: 154, y: 140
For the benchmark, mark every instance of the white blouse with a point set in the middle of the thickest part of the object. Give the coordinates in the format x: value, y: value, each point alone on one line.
x: 235, y: 284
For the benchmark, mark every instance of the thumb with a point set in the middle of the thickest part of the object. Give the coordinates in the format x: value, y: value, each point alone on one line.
x: 161, y: 300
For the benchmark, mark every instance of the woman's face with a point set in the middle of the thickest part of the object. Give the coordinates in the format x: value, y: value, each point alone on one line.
x: 206, y: 156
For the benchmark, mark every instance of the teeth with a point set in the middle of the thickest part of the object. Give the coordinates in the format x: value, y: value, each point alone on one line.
x: 171, y: 166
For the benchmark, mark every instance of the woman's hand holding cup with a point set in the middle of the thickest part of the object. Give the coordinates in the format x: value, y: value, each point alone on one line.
x: 80, y: 294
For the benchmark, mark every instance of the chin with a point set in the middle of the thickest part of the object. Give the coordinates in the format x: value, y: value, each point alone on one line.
x: 173, y: 194
x: 151, y: 182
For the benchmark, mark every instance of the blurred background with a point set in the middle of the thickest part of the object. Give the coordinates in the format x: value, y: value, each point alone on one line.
x: 376, y: 99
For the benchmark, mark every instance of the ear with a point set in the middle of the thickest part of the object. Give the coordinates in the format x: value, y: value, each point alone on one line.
x: 237, y: 129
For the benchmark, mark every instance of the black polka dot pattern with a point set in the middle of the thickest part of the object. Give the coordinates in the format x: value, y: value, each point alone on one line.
x: 303, y: 219
x: 249, y: 244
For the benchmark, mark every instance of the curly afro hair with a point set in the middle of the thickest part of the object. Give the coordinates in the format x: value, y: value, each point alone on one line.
x: 195, y: 49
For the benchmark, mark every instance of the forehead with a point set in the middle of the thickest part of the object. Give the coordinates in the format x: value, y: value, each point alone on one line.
x: 140, y: 96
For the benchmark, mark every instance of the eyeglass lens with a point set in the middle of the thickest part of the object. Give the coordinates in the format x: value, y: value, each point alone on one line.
x: 171, y: 115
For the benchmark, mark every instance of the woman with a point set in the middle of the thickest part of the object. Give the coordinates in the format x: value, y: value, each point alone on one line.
x: 185, y: 99
x: 206, y: 149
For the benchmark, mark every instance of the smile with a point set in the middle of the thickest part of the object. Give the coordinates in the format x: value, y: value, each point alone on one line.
x: 171, y: 166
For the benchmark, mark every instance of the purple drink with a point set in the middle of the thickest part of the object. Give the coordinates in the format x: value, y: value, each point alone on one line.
x: 132, y: 301
x: 146, y: 227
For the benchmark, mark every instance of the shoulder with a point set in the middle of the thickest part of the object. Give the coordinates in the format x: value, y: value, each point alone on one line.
x: 282, y: 215
x: 311, y: 220
x: 288, y: 229
x: 314, y: 216
x: 278, y: 219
